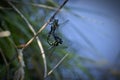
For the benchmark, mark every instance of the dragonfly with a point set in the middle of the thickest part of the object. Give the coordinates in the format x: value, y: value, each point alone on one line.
x: 52, y: 33
x: 53, y: 39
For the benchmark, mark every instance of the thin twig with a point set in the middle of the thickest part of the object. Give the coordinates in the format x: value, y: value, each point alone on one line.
x: 20, y: 73
x: 57, y: 64
x: 38, y: 41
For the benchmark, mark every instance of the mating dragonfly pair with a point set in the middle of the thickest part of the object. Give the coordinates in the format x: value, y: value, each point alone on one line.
x: 53, y: 39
